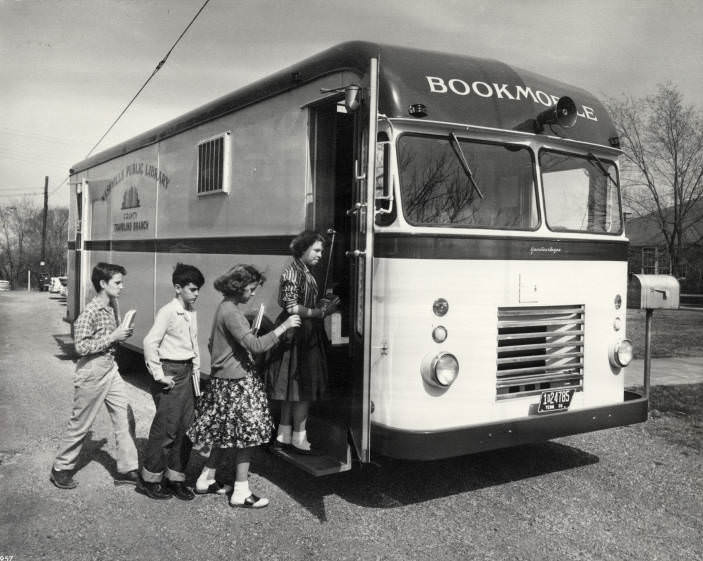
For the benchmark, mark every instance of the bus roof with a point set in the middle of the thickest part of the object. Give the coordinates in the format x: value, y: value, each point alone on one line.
x: 452, y: 88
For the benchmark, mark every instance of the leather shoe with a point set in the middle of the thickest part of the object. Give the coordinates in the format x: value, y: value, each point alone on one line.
x: 216, y: 488
x: 252, y: 501
x: 179, y: 490
x: 153, y: 490
x: 127, y: 478
x: 63, y: 479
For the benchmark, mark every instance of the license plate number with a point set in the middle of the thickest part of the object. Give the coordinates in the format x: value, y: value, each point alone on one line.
x: 554, y: 400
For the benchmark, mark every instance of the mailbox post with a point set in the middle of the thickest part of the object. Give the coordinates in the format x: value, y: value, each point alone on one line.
x: 649, y: 293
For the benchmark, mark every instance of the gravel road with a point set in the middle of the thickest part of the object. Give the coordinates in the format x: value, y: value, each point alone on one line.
x: 629, y: 493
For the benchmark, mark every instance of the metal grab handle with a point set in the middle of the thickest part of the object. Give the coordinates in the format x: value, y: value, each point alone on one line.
x: 356, y: 253
x: 358, y: 176
x: 356, y: 208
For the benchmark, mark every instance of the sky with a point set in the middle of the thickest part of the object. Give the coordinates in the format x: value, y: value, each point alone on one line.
x: 69, y: 67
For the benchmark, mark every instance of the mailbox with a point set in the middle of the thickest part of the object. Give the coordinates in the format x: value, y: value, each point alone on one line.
x: 652, y: 292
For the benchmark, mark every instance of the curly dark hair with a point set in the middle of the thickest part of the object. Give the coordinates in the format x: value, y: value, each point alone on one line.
x: 304, y: 240
x: 184, y: 274
x: 234, y: 281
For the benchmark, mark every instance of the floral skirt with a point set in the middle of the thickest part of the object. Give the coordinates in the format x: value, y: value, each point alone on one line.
x: 232, y: 414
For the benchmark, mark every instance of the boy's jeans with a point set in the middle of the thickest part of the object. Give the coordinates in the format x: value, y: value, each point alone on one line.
x: 96, y: 381
x: 168, y: 449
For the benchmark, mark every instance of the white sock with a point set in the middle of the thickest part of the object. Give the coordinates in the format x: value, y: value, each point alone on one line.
x: 300, y: 439
x: 241, y: 491
x: 205, y: 479
x: 284, y: 434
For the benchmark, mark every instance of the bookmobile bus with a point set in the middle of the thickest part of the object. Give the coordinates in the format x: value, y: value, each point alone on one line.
x: 478, y: 244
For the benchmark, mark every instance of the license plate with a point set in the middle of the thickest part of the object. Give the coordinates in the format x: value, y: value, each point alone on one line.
x: 554, y: 400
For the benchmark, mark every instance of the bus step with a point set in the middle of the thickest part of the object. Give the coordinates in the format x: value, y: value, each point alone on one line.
x: 316, y: 465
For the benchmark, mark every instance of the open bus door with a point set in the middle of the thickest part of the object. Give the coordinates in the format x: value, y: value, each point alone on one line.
x: 342, y: 163
x: 361, y: 254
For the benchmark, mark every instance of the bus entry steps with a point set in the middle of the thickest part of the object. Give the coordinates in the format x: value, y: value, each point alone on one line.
x: 332, y: 453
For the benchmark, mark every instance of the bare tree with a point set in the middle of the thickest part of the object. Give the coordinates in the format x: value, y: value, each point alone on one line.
x: 662, y: 141
x: 20, y: 240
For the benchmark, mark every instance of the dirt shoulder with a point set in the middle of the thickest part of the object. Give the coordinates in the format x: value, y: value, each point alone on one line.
x: 630, y: 493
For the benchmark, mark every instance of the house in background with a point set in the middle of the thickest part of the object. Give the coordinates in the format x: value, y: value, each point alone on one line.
x: 648, y: 252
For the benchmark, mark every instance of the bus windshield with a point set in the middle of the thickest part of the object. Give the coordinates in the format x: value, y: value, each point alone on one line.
x: 581, y: 193
x: 436, y: 189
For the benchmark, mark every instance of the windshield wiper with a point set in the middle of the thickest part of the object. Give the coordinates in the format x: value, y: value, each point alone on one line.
x: 593, y: 158
x: 456, y: 145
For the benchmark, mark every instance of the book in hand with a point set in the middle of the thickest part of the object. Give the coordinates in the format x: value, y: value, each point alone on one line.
x: 129, y: 319
x: 196, y: 383
x: 257, y: 320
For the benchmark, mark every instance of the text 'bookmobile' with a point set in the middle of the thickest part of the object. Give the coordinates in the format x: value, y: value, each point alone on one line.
x: 478, y: 241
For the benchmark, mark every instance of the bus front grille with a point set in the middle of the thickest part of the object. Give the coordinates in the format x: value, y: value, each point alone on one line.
x: 539, y: 348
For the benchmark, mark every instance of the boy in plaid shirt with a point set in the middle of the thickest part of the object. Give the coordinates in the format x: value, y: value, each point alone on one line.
x: 97, y: 380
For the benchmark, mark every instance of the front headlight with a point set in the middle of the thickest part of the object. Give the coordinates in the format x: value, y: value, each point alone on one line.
x: 621, y: 353
x: 440, y: 370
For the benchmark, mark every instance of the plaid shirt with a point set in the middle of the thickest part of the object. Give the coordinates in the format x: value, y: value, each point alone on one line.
x: 93, y: 327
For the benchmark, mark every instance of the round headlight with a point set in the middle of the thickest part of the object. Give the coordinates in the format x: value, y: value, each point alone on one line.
x: 439, y: 334
x: 440, y: 307
x: 445, y: 369
x: 621, y: 353
x: 617, y: 323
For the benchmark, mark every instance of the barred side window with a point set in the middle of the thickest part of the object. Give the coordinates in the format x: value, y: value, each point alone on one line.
x: 214, y: 165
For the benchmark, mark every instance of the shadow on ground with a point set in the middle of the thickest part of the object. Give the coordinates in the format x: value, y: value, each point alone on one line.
x: 67, y: 351
x: 387, y: 483
x: 393, y: 483
x: 94, y: 450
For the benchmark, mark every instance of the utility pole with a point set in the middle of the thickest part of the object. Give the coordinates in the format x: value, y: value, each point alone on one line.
x: 43, y: 224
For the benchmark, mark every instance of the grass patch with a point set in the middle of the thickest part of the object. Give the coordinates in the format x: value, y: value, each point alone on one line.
x: 686, y: 399
x: 676, y: 414
x: 674, y: 333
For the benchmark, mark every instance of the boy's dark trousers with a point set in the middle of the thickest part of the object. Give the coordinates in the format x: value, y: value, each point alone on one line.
x: 168, y: 449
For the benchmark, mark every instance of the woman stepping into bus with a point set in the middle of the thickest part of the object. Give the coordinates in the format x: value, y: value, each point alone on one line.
x: 297, y: 371
x: 233, y: 412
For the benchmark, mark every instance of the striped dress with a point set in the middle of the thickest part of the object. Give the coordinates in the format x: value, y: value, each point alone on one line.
x: 297, y: 368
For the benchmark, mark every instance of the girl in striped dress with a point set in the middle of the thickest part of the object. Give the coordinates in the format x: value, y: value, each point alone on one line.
x: 297, y: 371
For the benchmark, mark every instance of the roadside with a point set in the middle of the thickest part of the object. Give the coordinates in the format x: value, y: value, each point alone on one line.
x: 624, y: 494
x: 675, y: 333
x: 666, y: 371
x: 677, y: 347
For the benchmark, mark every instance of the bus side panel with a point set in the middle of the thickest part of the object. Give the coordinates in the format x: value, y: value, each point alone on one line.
x: 123, y: 195
x: 212, y: 266
x: 145, y: 212
x: 120, y: 219
x: 270, y: 179
x: 138, y: 291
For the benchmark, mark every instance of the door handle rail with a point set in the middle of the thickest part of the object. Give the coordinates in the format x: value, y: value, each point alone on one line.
x: 356, y: 208
x: 355, y: 253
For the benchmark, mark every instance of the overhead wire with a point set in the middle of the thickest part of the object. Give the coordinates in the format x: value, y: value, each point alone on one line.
x: 158, y: 67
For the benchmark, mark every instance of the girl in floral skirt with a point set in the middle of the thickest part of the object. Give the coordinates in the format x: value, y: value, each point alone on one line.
x: 233, y: 413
